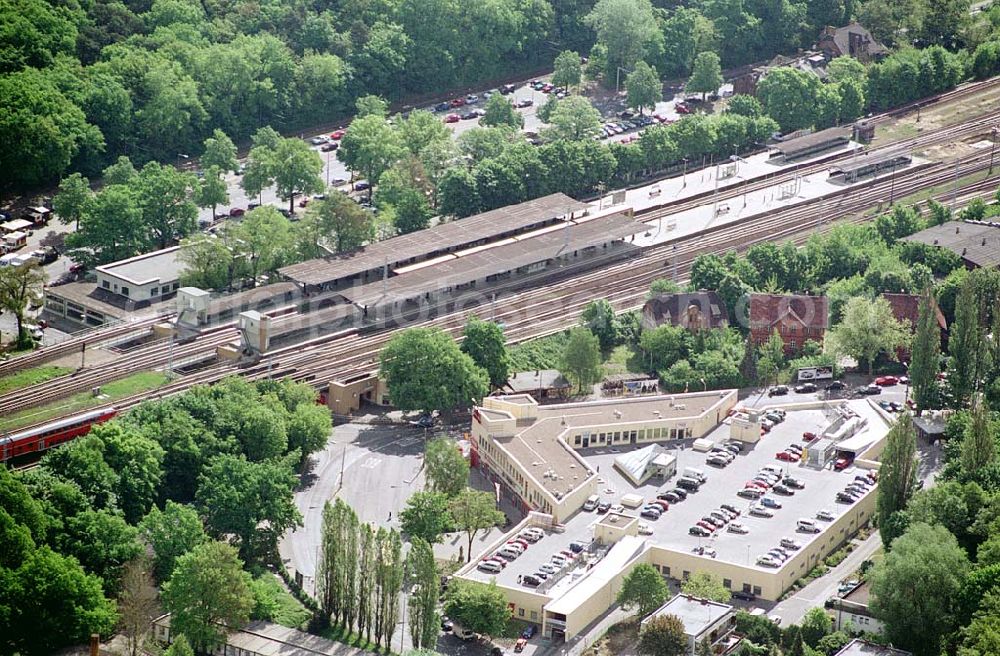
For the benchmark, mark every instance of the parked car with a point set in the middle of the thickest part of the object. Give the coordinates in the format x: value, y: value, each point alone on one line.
x: 781, y: 489
x: 699, y: 531
x: 844, y: 497
x: 531, y: 581
x: 780, y: 390
x: 669, y: 497
x: 786, y: 456
x: 805, y: 388
x: 835, y: 386
x: 743, y: 595
x: 808, y: 436
x: 841, y: 464
x: 442, y: 107
x: 468, y: 116
x: 717, y: 461
x: 886, y: 381
x: 750, y: 493
x: 873, y: 389
x: 471, y: 99
x: 645, y: 529
x: 529, y: 632
x: 330, y: 146
x: 736, y: 527
x: 508, y: 89
x: 768, y: 561
x: 457, y: 102
x: 681, y: 492
x: 682, y: 108
x: 237, y: 212
x: 825, y: 515
x: 730, y: 508
x: 650, y: 513
x: 768, y: 502
x: 524, y: 102
x: 760, y: 511
x: 794, y: 483
x: 317, y: 141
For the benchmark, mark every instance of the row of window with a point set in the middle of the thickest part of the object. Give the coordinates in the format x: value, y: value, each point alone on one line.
x: 728, y: 583
x: 641, y: 435
x: 153, y: 292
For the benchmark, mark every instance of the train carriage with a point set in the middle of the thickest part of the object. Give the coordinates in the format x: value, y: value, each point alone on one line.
x: 46, y: 436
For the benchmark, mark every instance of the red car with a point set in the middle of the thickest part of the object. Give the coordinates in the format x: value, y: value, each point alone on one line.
x: 452, y: 118
x: 886, y: 381
x: 711, y: 528
x: 458, y: 102
x: 338, y: 134
x: 760, y: 485
x: 547, y: 88
x: 787, y: 456
x: 661, y: 503
x: 682, y: 108
x: 841, y: 464
x: 808, y: 436
x: 237, y: 211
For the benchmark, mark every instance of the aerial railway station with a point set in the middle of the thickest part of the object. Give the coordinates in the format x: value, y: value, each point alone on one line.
x: 811, y: 145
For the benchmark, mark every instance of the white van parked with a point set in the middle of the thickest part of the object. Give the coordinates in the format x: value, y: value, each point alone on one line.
x: 591, y: 502
x: 695, y: 473
x: 807, y: 526
x: 489, y: 566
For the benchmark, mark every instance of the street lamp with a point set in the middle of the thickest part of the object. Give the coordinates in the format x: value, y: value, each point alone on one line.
x: 618, y: 75
x: 684, y: 178
x: 993, y: 147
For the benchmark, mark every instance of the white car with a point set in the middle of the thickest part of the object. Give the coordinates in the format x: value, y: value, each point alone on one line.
x: 768, y: 561
x: 548, y: 569
x: 736, y: 527
x: 789, y: 543
x: 761, y: 511
x: 645, y: 529
x: 825, y: 515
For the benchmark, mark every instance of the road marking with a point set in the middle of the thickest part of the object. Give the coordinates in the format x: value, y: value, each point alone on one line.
x: 371, y: 463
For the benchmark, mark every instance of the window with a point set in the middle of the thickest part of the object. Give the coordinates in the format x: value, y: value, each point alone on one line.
x: 685, y: 575
x: 520, y: 612
x: 176, y: 285
x: 727, y: 583
x: 105, y: 284
x: 756, y: 590
x: 124, y: 291
x: 534, y: 615
x: 746, y: 587
x: 154, y: 291
x: 576, y: 440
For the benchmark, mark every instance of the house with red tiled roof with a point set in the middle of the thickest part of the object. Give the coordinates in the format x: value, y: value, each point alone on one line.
x: 796, y: 318
x: 906, y: 307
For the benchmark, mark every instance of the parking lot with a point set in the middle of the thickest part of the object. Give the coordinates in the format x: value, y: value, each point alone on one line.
x: 671, y: 530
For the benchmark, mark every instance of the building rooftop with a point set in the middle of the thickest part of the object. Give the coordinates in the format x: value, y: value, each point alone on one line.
x: 673, y: 309
x: 859, y: 647
x: 269, y: 639
x: 439, y: 239
x: 907, y: 306
x: 557, y: 467
x: 975, y: 242
x: 464, y: 268
x: 539, y: 379
x: 698, y: 615
x: 860, y: 594
x: 150, y: 267
x: 862, y: 162
x: 767, y: 310
x: 598, y: 577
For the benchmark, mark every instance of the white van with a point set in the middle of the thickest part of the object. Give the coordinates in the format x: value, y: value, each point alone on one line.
x: 489, y: 566
x: 591, y: 502
x: 532, y: 534
x: 632, y: 500
x: 807, y: 526
x: 509, y: 552
x: 695, y: 473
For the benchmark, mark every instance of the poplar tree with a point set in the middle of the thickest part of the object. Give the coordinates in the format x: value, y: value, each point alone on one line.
x: 925, y: 354
x: 365, y: 585
x: 965, y: 345
x: 897, y: 477
x: 423, y: 579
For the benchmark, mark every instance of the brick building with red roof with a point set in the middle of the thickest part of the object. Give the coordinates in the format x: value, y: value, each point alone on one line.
x: 797, y: 318
x: 906, y: 307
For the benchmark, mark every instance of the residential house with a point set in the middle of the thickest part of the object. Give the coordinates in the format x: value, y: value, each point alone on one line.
x: 702, y: 618
x: 853, y: 40
x: 859, y: 647
x: 694, y: 311
x: 796, y: 318
x: 851, y: 612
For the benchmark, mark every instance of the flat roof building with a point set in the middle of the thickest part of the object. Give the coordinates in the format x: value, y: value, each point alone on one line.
x: 702, y: 618
x: 542, y: 383
x: 811, y: 144
x: 143, y: 277
x: 852, y: 613
x: 859, y: 647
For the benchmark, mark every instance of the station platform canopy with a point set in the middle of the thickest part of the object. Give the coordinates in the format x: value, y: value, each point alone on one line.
x: 813, y: 143
x: 494, y: 261
x: 871, y: 162
x: 436, y: 240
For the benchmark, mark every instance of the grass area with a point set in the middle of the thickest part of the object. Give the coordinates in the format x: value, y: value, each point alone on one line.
x: 622, y: 360
x: 139, y: 382
x: 338, y: 634
x: 288, y: 612
x: 896, y: 131
x: 924, y: 194
x: 30, y: 377
x: 541, y: 353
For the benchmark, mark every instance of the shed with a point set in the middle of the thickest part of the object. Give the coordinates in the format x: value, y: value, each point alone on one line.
x: 16, y: 225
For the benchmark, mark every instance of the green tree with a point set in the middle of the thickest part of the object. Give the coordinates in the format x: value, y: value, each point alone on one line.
x: 979, y: 446
x: 789, y: 97
x: 421, y: 130
x: 219, y: 152
x: 137, y: 461
x: 479, y: 607
x: 982, y: 636
x: 171, y: 533
x: 19, y: 285
x: 484, y: 342
x: 832, y: 643
x: 370, y: 147
x: 665, y: 345
x: 473, y: 511
x: 71, y: 199
x: 251, y: 500
x: 447, y: 470
x: 706, y: 76
x: 208, y: 262
x: 573, y: 119
x: 925, y: 355
x: 102, y: 542
x: 915, y: 585
x: 643, y: 87
x: 425, y: 370
x: 308, y: 428
x: 581, y: 358
x: 406, y: 191
x: 457, y: 193
x: 816, y: 624
x: 663, y: 635
x: 261, y: 243
x: 424, y: 585
x: 643, y: 589
x: 567, y: 71
x: 743, y: 105
x: 898, y: 475
x: 626, y: 30
x: 342, y: 223
x: 966, y: 346
x: 339, y: 576
x: 868, y: 329
x: 208, y: 591
x: 599, y: 318
x: 212, y: 190
x: 771, y: 358
x: 121, y: 172
x: 164, y: 196
x: 296, y: 170
x: 425, y: 516
x: 705, y: 585
x: 49, y: 602
x: 500, y: 112
x: 179, y: 647
x: 371, y: 105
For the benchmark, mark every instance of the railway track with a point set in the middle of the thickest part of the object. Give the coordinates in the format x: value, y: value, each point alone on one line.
x: 344, y: 356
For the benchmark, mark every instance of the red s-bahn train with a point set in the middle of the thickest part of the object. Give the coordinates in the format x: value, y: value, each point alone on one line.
x: 41, y: 438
